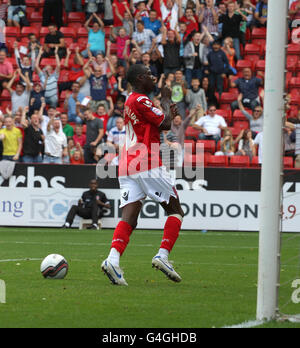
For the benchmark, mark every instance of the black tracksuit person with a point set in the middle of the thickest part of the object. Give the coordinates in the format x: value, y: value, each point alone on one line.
x: 90, y: 206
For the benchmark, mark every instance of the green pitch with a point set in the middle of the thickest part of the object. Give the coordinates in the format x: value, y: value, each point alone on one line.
x: 219, y: 272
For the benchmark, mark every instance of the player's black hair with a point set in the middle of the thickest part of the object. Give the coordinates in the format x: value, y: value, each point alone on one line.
x: 133, y: 72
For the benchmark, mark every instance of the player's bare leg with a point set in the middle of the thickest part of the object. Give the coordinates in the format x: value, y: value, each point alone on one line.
x: 171, y: 232
x: 111, y: 266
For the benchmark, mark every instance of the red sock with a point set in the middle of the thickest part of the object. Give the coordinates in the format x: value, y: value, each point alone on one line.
x: 121, y: 236
x: 171, y: 232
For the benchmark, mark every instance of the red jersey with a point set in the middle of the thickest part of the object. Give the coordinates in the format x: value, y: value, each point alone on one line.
x: 142, y: 121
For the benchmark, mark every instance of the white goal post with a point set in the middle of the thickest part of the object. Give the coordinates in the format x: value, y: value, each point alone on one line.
x: 271, y: 179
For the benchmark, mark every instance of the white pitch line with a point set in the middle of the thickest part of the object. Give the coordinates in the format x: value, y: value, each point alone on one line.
x: 17, y: 260
x: 246, y: 324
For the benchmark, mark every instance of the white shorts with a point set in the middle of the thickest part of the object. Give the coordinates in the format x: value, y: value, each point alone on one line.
x: 156, y: 183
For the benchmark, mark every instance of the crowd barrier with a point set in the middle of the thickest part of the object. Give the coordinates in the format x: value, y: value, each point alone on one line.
x: 225, y: 199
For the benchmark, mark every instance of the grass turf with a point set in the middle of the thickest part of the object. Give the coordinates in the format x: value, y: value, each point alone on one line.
x: 219, y: 286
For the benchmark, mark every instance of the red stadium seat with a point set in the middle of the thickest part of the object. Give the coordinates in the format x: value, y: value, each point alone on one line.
x: 44, y: 31
x: 241, y: 125
x: 260, y: 65
x: 209, y: 145
x: 253, y: 58
x: 239, y: 161
x: 36, y: 17
x: 189, y: 146
x: 76, y: 17
x: 242, y: 64
x: 5, y: 95
x: 25, y: 31
x: 239, y: 116
x: 260, y: 42
x: 224, y: 113
x: 82, y: 32
x: 253, y: 49
x: 294, y: 83
x: 288, y: 162
x: 217, y: 161
x: 12, y: 32
x: 48, y: 61
x: 192, y: 160
x: 192, y: 133
x: 254, y: 163
x: 258, y: 33
x: 293, y: 49
x: 68, y: 32
x: 291, y: 62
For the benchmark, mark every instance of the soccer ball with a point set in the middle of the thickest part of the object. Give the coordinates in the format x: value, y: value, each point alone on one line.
x: 54, y: 266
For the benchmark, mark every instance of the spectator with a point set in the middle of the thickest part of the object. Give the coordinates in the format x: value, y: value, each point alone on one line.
x: 210, y: 125
x: 208, y: 16
x: 227, y: 146
x: 2, y: 33
x: 246, y: 144
x: 169, y: 12
x: 70, y: 102
x: 256, y: 120
x: 171, y: 46
x: 143, y: 37
x: 78, y: 136
x: 33, y: 139
x: 152, y: 22
x: 55, y: 141
x: 189, y: 19
x: 179, y: 90
x: 230, y: 54
x: 248, y: 86
x: 117, y: 112
x: 120, y: 7
x: 53, y: 8
x: 6, y: 70
x: 294, y: 10
x: 218, y: 67
x: 108, y: 17
x: 90, y: 206
x: 195, y: 97
x: 209, y: 91
x: 33, y: 44
x: 11, y: 138
x: 178, y: 128
x: 78, y: 156
x: 231, y: 26
x: 98, y: 84
x: 194, y: 59
x: 258, y: 142
x: 54, y: 43
x: 91, y: 7
x: 69, y: 6
x: 117, y: 135
x: 74, y: 69
x: 94, y: 135
x: 67, y: 128
x: 15, y: 12
x: 127, y: 23
x: 24, y: 64
x: 20, y: 96
x: 170, y: 149
x: 37, y: 97
x: 261, y: 14
x: 96, y: 37
x: 122, y: 40
x: 49, y: 78
x: 103, y: 115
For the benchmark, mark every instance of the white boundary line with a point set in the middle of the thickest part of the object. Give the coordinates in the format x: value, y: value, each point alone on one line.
x: 16, y: 260
x: 246, y: 324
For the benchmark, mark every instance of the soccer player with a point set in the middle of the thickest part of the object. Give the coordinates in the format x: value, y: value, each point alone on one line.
x: 141, y: 174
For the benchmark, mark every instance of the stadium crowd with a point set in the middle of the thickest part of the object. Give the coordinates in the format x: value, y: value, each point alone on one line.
x: 63, y: 76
